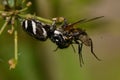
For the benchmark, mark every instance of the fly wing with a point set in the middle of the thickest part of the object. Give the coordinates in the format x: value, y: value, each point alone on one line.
x: 92, y: 19
x: 70, y: 26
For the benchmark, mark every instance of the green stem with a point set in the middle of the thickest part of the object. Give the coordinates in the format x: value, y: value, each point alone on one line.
x: 16, y: 46
x: 33, y: 16
x: 15, y: 3
x: 44, y: 20
x: 5, y: 24
x: 24, y: 9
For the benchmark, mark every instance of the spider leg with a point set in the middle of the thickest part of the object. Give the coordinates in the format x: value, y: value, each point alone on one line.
x: 53, y: 28
x: 64, y: 24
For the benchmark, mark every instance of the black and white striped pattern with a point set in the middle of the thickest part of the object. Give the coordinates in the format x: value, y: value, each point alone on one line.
x: 35, y: 28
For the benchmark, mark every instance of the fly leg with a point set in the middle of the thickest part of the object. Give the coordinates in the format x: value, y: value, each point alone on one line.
x: 93, y: 52
x: 80, y: 45
x: 73, y: 48
x: 56, y: 49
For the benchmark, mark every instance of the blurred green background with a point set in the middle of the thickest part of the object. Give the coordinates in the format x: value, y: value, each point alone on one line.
x: 38, y: 61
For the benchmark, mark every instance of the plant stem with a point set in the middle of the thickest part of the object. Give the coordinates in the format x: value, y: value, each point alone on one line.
x: 5, y: 24
x: 33, y: 16
x: 24, y: 9
x: 44, y: 20
x: 16, y: 45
